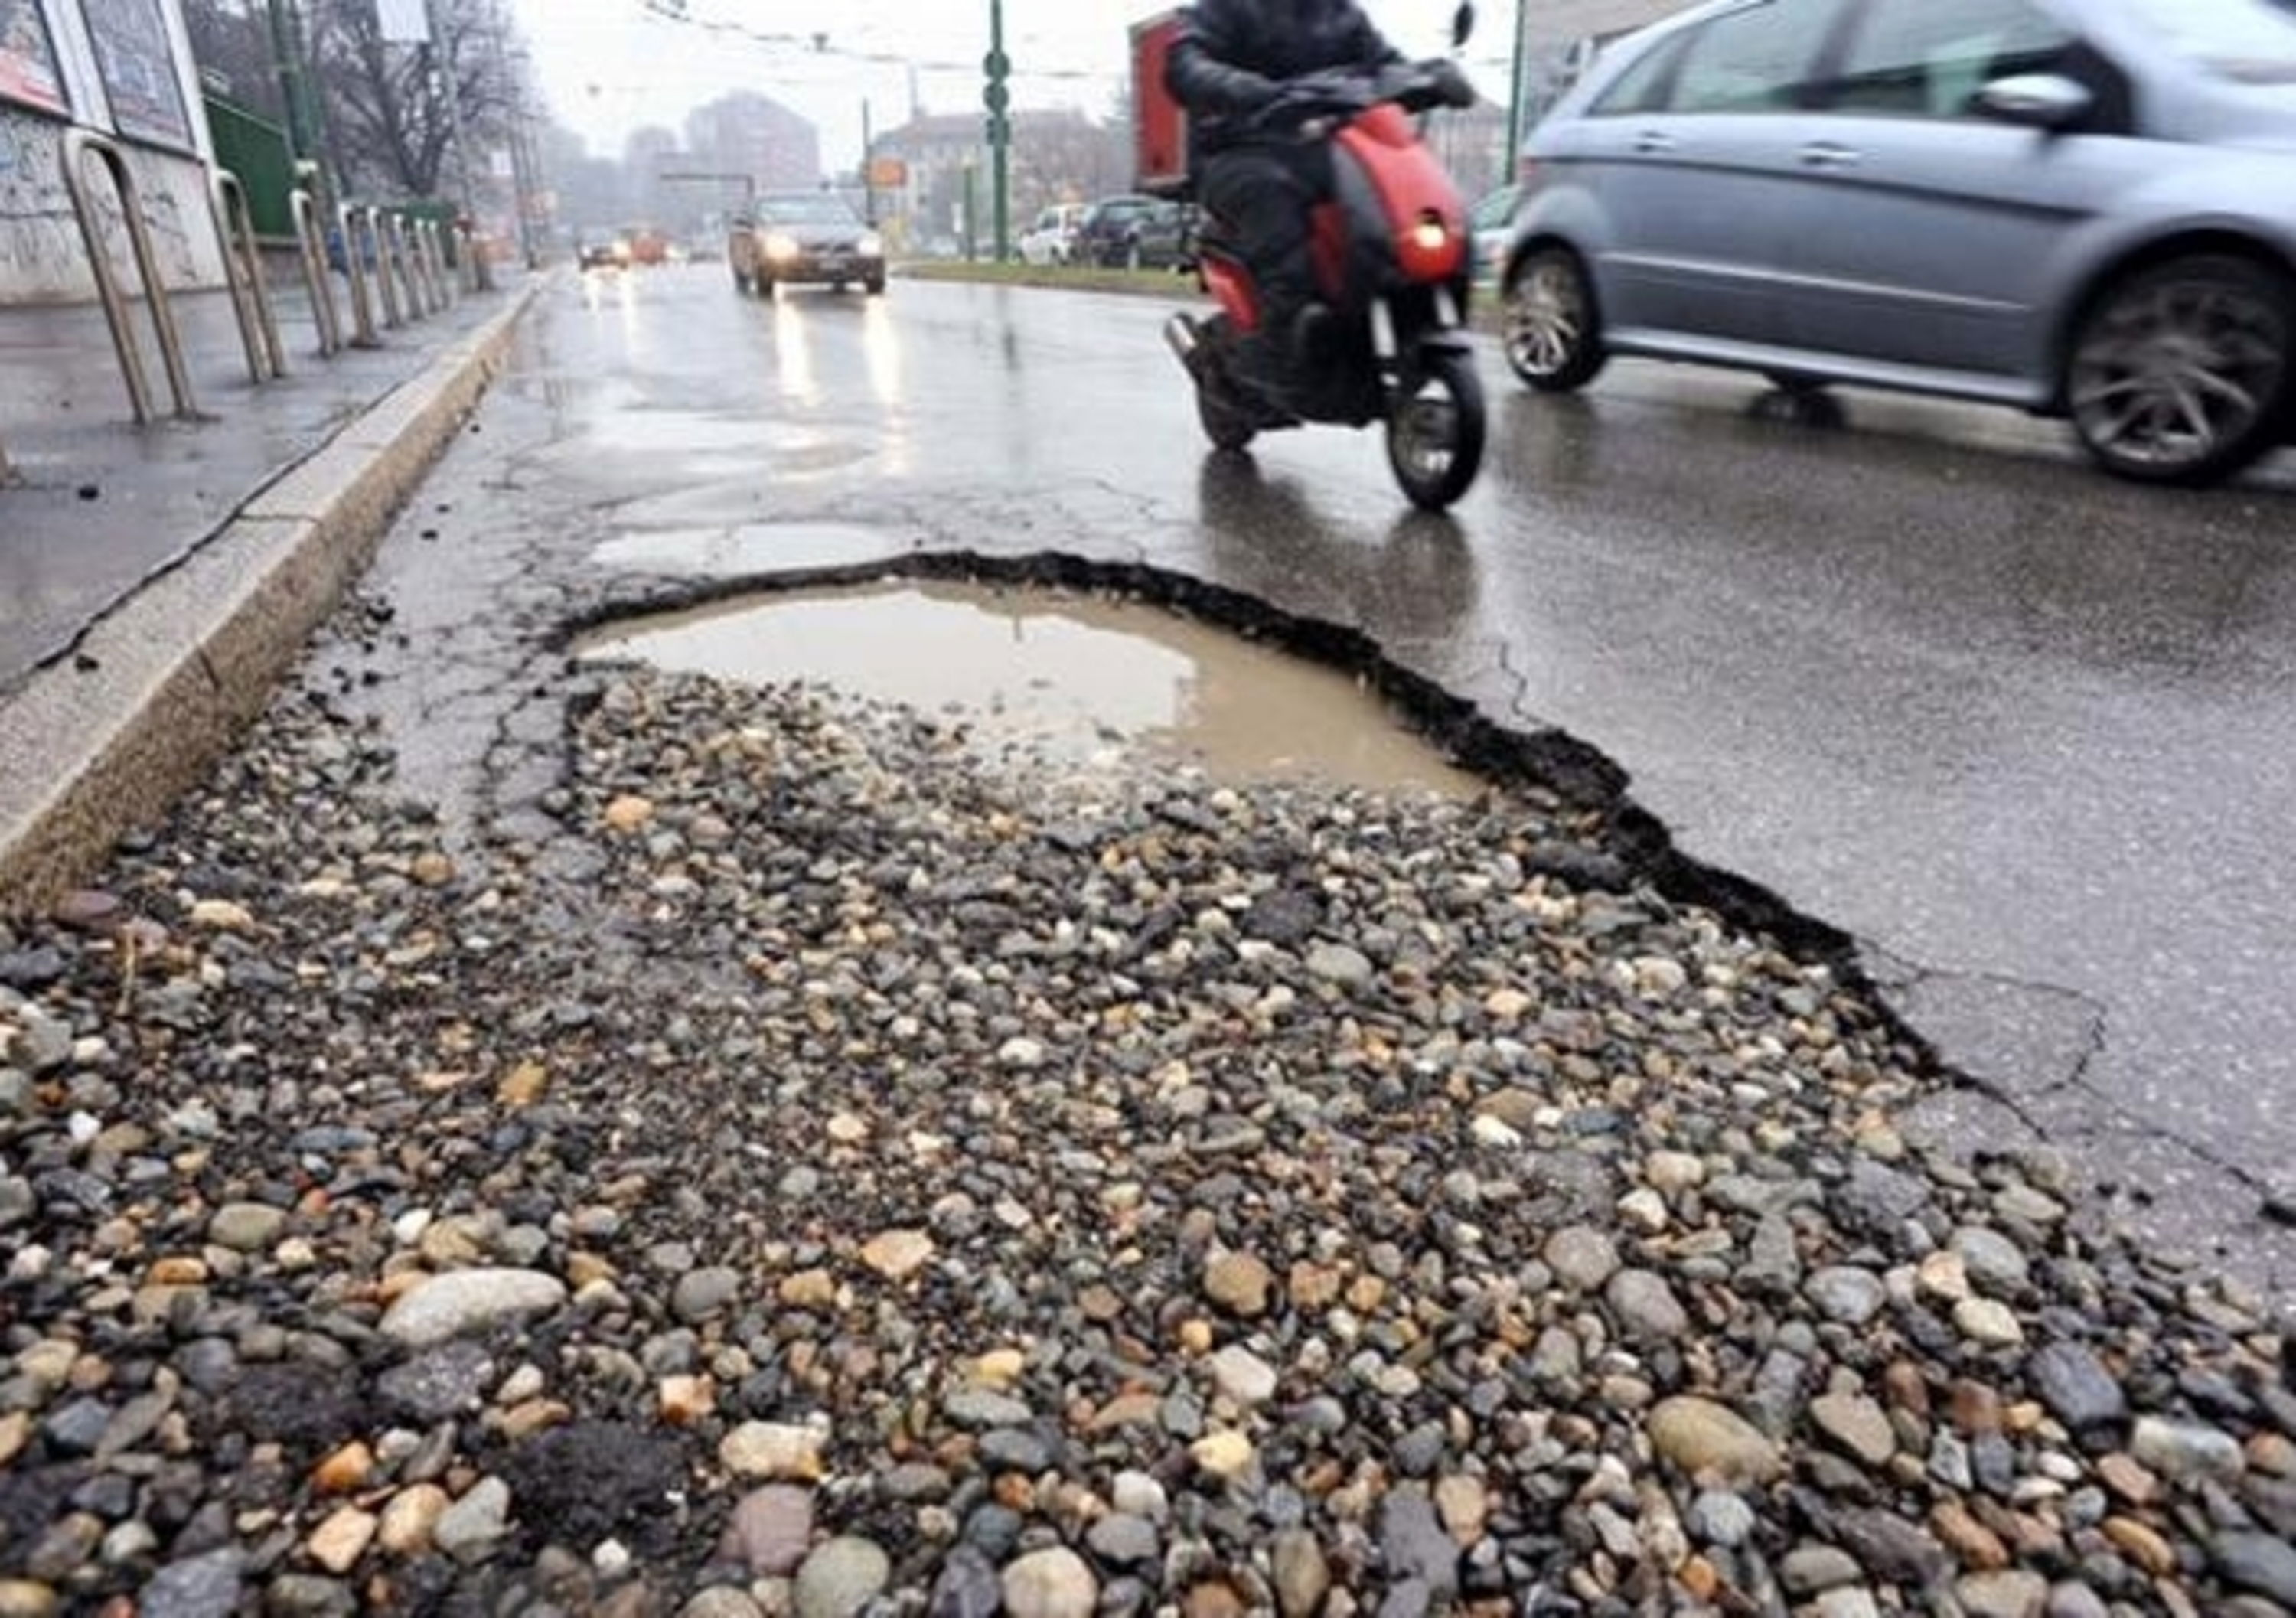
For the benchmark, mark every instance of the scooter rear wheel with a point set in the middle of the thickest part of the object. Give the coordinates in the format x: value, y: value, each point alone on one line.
x: 1227, y: 420
x: 1435, y: 436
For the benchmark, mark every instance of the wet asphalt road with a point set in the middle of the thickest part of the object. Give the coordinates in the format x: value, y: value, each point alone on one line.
x: 2026, y: 733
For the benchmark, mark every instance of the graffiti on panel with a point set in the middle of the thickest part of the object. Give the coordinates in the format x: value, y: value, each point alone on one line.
x: 39, y: 242
x: 136, y: 60
x: 42, y: 255
x: 28, y: 58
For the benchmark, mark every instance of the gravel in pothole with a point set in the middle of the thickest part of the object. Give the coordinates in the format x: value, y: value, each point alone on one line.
x: 838, y: 1176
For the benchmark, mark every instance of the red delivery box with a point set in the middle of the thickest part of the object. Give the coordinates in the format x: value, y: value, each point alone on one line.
x: 1160, y: 126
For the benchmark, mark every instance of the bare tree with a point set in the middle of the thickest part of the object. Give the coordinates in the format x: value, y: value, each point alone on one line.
x: 231, y: 40
x: 386, y: 103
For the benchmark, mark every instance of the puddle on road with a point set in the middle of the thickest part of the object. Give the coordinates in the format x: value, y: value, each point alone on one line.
x: 1074, y: 678
x: 746, y: 549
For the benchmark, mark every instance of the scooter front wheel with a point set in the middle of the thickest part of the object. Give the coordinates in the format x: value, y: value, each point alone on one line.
x: 1435, y: 433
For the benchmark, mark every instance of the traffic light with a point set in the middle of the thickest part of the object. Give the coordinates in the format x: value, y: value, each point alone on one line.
x: 997, y: 95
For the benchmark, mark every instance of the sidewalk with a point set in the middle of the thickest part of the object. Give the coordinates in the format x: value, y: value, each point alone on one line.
x: 100, y: 505
x: 154, y: 580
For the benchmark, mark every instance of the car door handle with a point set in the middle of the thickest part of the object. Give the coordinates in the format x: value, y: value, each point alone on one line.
x: 1830, y: 154
x: 1650, y: 142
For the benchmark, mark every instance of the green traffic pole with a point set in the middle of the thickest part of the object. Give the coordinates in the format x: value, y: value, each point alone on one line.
x: 1001, y: 140
x: 1515, y: 95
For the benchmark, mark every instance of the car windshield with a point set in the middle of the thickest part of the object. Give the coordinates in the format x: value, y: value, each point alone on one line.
x: 806, y: 211
x: 2252, y: 41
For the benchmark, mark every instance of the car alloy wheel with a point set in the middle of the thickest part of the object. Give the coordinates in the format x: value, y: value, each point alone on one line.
x: 1551, y: 336
x: 2181, y: 374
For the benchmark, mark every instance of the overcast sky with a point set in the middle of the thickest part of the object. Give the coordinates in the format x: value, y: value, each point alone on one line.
x: 608, y: 66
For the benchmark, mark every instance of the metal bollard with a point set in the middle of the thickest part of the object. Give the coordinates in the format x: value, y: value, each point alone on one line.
x: 474, y: 274
x: 436, y: 235
x: 393, y: 316
x: 346, y: 220
x: 242, y: 274
x: 79, y: 146
x: 434, y: 264
x: 311, y: 248
x: 396, y: 273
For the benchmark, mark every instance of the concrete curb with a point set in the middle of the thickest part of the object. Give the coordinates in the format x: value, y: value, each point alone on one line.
x: 107, y: 739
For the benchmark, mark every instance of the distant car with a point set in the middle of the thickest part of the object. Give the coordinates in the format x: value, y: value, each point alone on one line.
x: 1051, y: 239
x: 1136, y: 233
x: 809, y: 237
x: 2080, y: 208
x: 603, y: 255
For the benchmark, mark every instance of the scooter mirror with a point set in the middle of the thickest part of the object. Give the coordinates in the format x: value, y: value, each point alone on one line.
x: 1462, y: 25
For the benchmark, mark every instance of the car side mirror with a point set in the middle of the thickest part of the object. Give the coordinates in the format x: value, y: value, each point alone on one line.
x: 1462, y: 25
x: 2038, y: 101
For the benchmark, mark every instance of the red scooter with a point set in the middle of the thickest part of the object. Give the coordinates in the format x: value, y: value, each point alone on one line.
x: 1393, y: 259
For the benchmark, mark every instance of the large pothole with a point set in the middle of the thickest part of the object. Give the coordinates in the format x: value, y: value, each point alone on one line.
x: 1076, y: 679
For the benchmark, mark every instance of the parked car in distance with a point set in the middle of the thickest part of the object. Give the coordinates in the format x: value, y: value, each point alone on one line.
x: 2080, y: 208
x: 804, y: 237
x: 1492, y: 222
x: 1136, y: 233
x: 1052, y: 237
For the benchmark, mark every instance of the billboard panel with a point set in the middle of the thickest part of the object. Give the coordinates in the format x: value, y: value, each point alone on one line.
x: 135, y: 57
x: 28, y: 58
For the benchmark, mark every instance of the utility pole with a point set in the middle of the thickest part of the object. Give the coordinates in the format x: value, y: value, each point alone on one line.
x: 292, y: 61
x: 868, y: 170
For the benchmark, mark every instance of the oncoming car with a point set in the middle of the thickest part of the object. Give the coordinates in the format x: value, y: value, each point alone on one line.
x: 805, y: 238
x: 2080, y: 208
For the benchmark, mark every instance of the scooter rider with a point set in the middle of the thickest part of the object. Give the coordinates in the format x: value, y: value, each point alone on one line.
x: 1229, y: 62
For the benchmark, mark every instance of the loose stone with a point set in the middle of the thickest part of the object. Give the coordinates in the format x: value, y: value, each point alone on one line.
x: 840, y: 1577
x: 466, y: 1301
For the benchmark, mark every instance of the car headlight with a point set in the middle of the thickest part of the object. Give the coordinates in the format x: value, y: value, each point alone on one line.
x: 1430, y: 236
x: 781, y: 248
x: 872, y: 245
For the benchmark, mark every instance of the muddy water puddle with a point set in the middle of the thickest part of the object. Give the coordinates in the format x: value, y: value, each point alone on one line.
x: 1080, y: 681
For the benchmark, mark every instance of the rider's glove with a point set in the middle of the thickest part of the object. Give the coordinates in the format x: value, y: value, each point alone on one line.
x: 1452, y: 85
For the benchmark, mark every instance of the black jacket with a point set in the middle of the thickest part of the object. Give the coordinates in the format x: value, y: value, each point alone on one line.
x: 1230, y: 55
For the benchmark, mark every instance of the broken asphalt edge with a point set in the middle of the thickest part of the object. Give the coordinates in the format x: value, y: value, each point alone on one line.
x: 99, y: 743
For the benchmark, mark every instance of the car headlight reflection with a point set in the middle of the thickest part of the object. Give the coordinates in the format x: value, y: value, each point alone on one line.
x: 782, y: 249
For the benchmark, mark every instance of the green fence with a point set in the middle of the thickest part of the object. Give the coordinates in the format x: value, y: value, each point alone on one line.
x: 257, y: 150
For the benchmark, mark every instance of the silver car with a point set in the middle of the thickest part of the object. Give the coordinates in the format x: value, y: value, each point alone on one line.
x: 2084, y: 208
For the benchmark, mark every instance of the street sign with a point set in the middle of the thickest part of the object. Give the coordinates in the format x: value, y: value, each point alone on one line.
x: 998, y: 130
x: 888, y: 174
x: 997, y: 65
x: 997, y: 96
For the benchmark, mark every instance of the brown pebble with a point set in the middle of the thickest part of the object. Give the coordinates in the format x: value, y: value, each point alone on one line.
x: 2141, y: 1545
x: 1979, y: 1549
x: 1906, y: 1388
x: 1213, y: 1598
x: 2128, y: 1478
x: 1974, y: 1408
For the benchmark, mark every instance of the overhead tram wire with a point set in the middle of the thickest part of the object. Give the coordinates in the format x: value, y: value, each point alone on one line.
x: 820, y: 44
